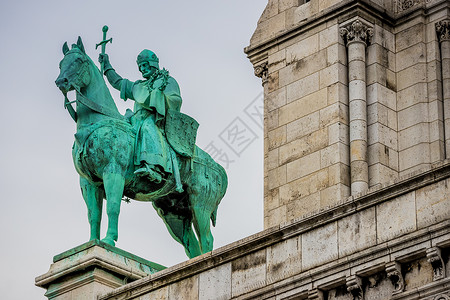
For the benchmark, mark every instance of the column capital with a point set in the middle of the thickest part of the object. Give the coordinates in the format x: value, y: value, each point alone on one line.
x: 356, y: 31
x: 261, y: 71
x: 443, y: 30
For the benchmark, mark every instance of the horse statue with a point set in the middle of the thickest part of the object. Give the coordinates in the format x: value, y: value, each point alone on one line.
x: 103, y: 154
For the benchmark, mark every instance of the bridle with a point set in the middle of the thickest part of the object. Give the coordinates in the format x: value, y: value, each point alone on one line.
x: 76, y: 85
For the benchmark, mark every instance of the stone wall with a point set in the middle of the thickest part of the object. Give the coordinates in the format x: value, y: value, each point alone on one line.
x: 389, y: 244
x: 353, y: 97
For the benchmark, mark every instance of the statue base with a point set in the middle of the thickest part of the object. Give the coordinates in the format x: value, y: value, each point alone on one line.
x: 92, y: 269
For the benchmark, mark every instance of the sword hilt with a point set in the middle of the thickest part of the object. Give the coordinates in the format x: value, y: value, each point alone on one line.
x: 103, y: 43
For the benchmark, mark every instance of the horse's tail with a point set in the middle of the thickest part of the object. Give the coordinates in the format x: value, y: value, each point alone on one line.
x: 211, y: 182
x: 223, y: 189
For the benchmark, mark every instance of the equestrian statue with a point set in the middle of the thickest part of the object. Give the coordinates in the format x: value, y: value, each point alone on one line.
x: 148, y: 154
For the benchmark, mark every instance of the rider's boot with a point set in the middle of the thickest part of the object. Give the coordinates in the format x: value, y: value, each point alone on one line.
x: 150, y: 171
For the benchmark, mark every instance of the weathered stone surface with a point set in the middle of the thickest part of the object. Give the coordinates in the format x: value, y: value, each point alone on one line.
x: 433, y: 204
x: 215, y: 283
x: 333, y: 74
x: 380, y: 133
x: 357, y: 232
x: 277, y: 177
x: 297, y: 207
x: 335, y: 153
x: 277, y: 60
x: 338, y: 93
x: 414, y: 156
x: 302, y: 49
x: 404, y: 210
x: 248, y: 273
x: 416, y: 134
x: 327, y: 4
x: 303, y: 166
x: 276, y: 99
x: 412, y: 115
x: 411, y: 56
x: 304, y: 186
x: 306, y: 66
x: 418, y: 273
x: 378, y: 287
x: 319, y: 246
x: 303, y: 106
x: 414, y: 94
x: 409, y: 37
x: 159, y: 294
x: 303, y: 126
x: 331, y: 196
x: 186, y: 289
x: 302, y: 87
x: 334, y: 113
x: 329, y: 36
x: 277, y: 137
x: 412, y: 75
x: 284, y: 259
x: 304, y: 146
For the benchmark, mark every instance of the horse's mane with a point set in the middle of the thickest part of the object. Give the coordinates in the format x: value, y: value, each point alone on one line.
x: 100, y: 91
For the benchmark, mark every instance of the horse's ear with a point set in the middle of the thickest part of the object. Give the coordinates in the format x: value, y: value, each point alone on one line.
x: 65, y: 48
x: 80, y: 44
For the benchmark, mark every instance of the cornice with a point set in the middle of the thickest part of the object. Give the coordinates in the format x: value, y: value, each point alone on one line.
x: 342, y: 11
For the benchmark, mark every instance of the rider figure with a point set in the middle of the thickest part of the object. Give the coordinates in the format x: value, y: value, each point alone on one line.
x: 153, y: 97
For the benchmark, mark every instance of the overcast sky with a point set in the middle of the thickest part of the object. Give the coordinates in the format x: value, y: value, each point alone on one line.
x: 201, y: 44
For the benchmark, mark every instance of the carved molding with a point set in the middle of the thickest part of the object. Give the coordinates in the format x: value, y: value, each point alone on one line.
x: 261, y: 71
x: 434, y: 256
x: 394, y: 273
x: 354, y: 286
x: 441, y: 297
x: 315, y: 294
x: 357, y: 31
x: 402, y: 5
x: 443, y: 30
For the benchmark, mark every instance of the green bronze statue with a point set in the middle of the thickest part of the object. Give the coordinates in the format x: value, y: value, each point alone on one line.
x: 147, y: 155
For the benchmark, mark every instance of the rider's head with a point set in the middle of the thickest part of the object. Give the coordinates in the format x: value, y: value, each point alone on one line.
x: 148, y: 63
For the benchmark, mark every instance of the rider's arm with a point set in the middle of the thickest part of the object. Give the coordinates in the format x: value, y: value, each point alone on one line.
x: 114, y: 79
x: 117, y: 82
x: 172, y: 94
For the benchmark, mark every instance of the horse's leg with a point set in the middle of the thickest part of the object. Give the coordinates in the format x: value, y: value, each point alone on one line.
x: 202, y: 226
x: 180, y: 229
x: 93, y: 197
x: 113, y: 181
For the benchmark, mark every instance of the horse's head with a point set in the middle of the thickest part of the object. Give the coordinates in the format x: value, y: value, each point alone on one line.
x: 74, y: 68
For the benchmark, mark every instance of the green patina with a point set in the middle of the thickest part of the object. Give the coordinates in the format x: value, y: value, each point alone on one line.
x: 147, y: 155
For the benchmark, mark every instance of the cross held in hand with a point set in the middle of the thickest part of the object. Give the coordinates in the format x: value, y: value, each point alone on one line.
x: 103, y: 43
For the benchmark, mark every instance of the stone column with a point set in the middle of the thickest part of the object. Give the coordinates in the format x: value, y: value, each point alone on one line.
x: 443, y: 33
x: 356, y: 36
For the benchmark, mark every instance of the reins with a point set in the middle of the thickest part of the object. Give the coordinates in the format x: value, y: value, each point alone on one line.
x: 89, y: 103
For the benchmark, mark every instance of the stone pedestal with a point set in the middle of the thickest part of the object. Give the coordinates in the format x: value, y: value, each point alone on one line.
x: 92, y: 269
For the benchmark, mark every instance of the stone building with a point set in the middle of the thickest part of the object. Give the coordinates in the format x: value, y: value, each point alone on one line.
x: 357, y: 169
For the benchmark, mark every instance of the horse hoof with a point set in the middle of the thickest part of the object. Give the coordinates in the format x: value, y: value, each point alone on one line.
x: 109, y: 241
